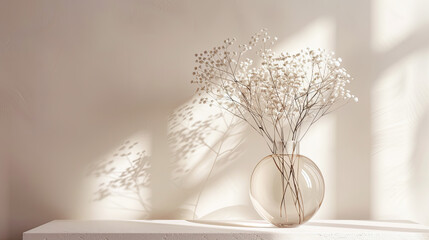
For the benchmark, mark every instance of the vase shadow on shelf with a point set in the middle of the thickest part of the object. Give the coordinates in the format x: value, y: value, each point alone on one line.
x: 239, y: 223
x: 228, y: 213
x: 231, y: 213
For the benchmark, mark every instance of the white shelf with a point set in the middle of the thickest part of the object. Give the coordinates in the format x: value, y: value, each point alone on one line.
x: 223, y: 230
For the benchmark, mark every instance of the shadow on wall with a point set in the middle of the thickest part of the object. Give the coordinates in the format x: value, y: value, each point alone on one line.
x: 203, y: 140
x: 124, y: 181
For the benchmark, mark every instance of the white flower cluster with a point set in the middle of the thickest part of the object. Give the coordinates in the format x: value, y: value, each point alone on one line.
x: 283, y: 88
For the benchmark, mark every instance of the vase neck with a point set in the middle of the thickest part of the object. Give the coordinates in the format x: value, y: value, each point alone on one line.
x: 287, y: 147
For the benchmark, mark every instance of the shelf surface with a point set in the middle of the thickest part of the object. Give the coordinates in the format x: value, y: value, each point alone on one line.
x: 208, y: 230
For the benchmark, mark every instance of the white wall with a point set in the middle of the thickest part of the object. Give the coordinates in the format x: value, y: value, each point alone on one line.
x: 79, y: 79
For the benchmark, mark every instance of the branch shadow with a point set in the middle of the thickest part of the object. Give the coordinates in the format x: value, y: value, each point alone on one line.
x: 204, y: 140
x: 125, y: 175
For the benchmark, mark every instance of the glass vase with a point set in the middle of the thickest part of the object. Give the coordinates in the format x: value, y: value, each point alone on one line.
x: 286, y: 188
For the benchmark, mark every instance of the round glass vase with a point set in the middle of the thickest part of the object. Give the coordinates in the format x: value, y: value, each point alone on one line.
x: 286, y: 189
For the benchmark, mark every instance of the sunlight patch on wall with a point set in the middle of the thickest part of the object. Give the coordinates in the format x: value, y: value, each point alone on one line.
x: 121, y: 181
x: 393, y: 23
x: 400, y: 134
x: 400, y: 114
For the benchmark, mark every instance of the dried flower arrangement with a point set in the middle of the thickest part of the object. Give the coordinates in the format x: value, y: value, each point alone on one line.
x: 285, y: 90
x: 280, y: 98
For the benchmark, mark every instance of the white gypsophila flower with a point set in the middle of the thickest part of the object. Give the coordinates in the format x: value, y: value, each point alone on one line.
x: 283, y: 89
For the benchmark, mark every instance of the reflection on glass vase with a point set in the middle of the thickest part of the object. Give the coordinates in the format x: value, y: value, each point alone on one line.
x: 286, y: 188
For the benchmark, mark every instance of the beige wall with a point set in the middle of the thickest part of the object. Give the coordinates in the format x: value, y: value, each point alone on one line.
x: 80, y: 78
